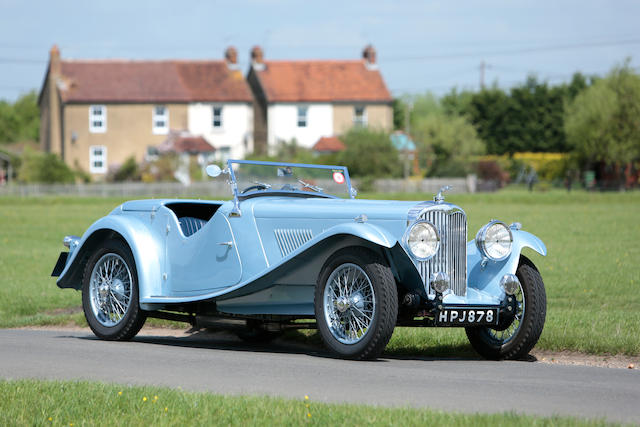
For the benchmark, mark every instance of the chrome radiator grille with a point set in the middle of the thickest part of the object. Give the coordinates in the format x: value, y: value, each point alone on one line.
x: 451, y: 258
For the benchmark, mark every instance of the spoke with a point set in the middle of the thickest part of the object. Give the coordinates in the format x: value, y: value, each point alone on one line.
x: 115, y: 298
x: 361, y: 312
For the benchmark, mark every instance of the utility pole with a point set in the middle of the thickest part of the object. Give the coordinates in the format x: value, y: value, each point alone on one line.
x: 407, y: 131
x: 483, y: 67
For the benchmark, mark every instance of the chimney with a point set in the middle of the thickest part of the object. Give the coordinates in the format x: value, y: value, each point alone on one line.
x: 257, y: 58
x: 231, y: 56
x: 54, y: 61
x: 369, y: 56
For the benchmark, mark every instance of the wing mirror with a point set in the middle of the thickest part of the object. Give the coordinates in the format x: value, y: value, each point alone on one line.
x: 214, y: 171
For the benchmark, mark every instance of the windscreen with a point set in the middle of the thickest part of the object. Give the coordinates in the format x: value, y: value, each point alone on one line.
x: 253, y: 178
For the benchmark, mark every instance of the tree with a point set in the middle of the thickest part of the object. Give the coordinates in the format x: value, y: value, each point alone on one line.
x: 399, y: 113
x: 602, y: 122
x: 21, y: 120
x: 370, y: 154
x: 446, y: 144
x: 456, y: 103
x: 488, y: 112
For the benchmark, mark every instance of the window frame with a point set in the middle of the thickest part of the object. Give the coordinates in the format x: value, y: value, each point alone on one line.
x: 363, y: 120
x: 302, y: 121
x: 102, y: 117
x: 93, y: 158
x: 155, y: 117
x: 220, y: 125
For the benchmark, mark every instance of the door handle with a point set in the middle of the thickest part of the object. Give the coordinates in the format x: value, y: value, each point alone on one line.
x: 227, y: 244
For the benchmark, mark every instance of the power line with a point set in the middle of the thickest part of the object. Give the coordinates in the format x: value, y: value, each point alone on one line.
x: 510, y: 51
x: 22, y: 61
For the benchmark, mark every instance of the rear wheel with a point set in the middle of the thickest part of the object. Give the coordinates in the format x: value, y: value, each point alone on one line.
x: 356, y: 303
x: 515, y: 341
x: 110, y: 293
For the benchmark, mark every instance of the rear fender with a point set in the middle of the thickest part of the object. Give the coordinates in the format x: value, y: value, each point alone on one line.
x: 146, y: 247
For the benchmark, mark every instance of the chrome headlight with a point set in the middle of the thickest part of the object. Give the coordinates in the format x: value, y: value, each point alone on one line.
x: 422, y: 240
x: 494, y: 240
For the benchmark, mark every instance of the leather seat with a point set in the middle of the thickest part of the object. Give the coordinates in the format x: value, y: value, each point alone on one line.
x: 190, y: 225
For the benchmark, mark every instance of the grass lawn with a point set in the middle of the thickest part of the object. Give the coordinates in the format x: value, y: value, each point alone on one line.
x: 591, y: 272
x: 42, y: 403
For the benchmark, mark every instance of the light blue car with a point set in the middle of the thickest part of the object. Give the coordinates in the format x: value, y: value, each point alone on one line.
x: 294, y: 244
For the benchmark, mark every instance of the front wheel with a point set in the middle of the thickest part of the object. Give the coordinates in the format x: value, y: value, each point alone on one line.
x: 110, y: 293
x: 517, y: 339
x: 356, y: 303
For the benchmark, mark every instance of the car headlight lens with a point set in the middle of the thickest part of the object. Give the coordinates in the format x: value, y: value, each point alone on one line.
x: 423, y: 240
x: 494, y: 240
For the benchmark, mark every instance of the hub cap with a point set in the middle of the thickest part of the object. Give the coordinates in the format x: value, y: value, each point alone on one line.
x: 349, y: 303
x: 110, y: 289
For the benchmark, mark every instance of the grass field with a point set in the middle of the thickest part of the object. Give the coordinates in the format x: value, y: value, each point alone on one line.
x: 43, y: 403
x: 591, y: 272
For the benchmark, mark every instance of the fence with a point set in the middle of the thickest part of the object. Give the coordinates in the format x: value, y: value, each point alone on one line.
x: 217, y: 188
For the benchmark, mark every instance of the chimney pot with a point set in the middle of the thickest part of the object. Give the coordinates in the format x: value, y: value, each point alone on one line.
x: 231, y: 55
x: 369, y: 54
x: 257, y: 56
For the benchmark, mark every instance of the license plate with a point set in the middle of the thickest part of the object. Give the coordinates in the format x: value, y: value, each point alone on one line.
x: 467, y: 317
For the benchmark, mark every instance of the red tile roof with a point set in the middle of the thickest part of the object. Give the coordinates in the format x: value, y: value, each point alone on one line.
x: 329, y: 144
x: 152, y: 81
x: 322, y: 81
x: 181, y: 142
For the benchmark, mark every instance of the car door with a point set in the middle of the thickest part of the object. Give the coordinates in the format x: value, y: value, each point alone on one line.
x: 205, y: 261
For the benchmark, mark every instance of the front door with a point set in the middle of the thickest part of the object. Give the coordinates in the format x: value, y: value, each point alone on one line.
x: 204, y: 262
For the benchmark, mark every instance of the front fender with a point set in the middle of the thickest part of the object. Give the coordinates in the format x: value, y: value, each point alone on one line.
x: 369, y: 232
x: 487, y: 277
x: 146, y: 247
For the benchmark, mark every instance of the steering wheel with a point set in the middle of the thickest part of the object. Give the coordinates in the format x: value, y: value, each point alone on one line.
x: 255, y: 187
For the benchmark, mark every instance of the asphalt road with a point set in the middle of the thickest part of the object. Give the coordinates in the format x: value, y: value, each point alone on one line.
x: 221, y: 364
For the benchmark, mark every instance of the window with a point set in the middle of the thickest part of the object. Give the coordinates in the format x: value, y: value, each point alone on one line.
x: 160, y: 120
x: 97, y: 119
x: 302, y: 116
x: 359, y: 116
x: 217, y: 117
x: 97, y: 159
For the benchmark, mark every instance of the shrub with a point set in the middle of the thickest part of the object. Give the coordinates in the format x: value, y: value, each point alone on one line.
x: 44, y: 168
x: 128, y: 171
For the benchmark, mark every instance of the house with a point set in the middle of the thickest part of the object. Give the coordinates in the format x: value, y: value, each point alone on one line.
x: 97, y: 113
x: 191, y: 150
x: 328, y: 145
x: 306, y: 100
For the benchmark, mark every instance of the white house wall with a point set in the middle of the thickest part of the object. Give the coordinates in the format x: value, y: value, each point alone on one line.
x: 236, y: 132
x: 282, y: 122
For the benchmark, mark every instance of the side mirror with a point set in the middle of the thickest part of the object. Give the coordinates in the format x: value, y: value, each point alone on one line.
x: 213, y: 170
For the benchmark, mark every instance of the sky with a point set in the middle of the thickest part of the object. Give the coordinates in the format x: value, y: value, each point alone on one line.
x: 422, y: 45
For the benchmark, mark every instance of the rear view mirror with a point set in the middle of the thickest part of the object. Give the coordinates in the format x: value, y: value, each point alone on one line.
x: 213, y: 170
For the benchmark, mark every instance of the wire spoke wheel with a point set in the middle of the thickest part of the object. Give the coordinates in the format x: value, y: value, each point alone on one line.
x: 515, y: 341
x: 110, y: 295
x: 110, y: 289
x: 506, y: 335
x: 356, y: 303
x: 349, y: 303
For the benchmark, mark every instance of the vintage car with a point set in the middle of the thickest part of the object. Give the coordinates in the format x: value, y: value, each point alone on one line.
x: 284, y: 250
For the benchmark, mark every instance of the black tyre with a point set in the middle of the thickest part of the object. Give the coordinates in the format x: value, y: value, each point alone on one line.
x: 110, y: 293
x: 516, y: 340
x: 356, y: 303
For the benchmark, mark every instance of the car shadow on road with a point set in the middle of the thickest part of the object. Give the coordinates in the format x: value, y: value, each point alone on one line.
x: 222, y: 340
